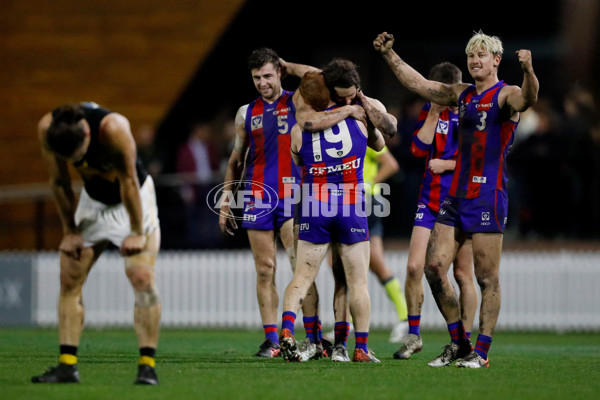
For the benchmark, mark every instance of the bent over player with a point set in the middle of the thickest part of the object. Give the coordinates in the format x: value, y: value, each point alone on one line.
x: 117, y: 205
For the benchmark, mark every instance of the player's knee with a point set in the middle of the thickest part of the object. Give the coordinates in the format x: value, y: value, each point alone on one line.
x: 141, y: 277
x: 462, y: 278
x: 147, y: 297
x: 433, y: 271
x: 265, y: 268
x: 488, y: 281
x: 414, y: 271
x: 71, y: 280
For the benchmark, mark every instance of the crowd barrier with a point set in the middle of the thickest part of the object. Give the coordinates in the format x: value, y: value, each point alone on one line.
x: 541, y: 290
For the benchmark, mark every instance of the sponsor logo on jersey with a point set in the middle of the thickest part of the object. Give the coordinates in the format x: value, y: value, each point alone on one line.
x: 346, y: 167
x: 283, y: 111
x: 479, y: 179
x: 486, y: 106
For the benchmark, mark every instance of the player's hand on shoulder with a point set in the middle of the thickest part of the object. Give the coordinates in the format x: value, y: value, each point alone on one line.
x: 358, y: 113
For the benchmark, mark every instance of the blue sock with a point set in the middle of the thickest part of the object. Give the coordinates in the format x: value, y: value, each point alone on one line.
x: 361, y: 341
x: 319, y: 332
x: 288, y: 319
x: 309, y: 327
x: 483, y: 345
x: 341, y: 331
x: 457, y: 332
x: 414, y: 324
x: 271, y: 333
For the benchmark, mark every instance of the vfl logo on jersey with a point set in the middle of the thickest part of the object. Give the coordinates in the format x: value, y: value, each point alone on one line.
x: 305, y: 226
x: 256, y: 122
x: 479, y: 179
x: 442, y: 127
x: 288, y: 179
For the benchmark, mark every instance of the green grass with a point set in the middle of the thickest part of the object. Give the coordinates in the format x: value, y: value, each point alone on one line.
x: 218, y: 364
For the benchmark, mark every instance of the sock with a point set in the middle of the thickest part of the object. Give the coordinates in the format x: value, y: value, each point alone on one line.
x: 68, y: 354
x: 341, y: 331
x: 414, y: 324
x: 310, y: 323
x: 468, y: 336
x: 483, y: 345
x: 271, y: 333
x: 288, y: 319
x: 457, y: 332
x: 319, y: 330
x: 361, y: 341
x: 394, y: 292
x: 147, y: 356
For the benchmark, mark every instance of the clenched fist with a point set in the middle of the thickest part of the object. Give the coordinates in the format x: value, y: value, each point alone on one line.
x: 524, y: 57
x: 383, y: 42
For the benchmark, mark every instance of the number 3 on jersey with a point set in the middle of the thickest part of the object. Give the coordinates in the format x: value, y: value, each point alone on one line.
x: 481, y: 125
x: 343, y: 137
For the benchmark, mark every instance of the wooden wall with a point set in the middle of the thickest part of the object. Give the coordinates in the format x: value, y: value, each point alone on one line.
x: 134, y: 57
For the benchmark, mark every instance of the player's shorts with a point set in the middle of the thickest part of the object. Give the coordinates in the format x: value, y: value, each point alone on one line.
x: 322, y: 222
x: 425, y: 216
x: 264, y: 215
x: 98, y: 222
x: 484, y: 214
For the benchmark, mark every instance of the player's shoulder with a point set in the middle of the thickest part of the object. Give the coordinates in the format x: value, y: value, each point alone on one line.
x: 114, y: 121
x: 45, y: 121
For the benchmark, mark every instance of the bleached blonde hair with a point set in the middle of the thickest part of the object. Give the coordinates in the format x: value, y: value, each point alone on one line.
x: 480, y: 40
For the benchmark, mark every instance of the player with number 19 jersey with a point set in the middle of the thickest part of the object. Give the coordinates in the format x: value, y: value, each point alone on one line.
x: 478, y: 190
x: 333, y: 197
x: 272, y: 174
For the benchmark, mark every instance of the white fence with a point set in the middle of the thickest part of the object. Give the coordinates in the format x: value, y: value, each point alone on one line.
x: 540, y: 291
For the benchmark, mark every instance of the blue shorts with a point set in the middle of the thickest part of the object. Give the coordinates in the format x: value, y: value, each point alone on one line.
x: 425, y: 216
x: 263, y: 215
x: 340, y: 223
x: 484, y: 214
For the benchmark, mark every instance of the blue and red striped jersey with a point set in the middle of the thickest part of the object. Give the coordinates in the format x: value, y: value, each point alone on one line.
x: 269, y: 160
x: 333, y: 160
x: 485, y: 138
x: 435, y: 187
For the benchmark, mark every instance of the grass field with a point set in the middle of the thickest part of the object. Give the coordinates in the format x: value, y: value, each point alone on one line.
x: 218, y: 364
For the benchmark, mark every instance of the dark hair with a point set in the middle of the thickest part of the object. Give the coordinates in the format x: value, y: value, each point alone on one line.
x: 263, y: 56
x: 341, y: 73
x: 65, y: 133
x: 314, y: 91
x: 445, y: 72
